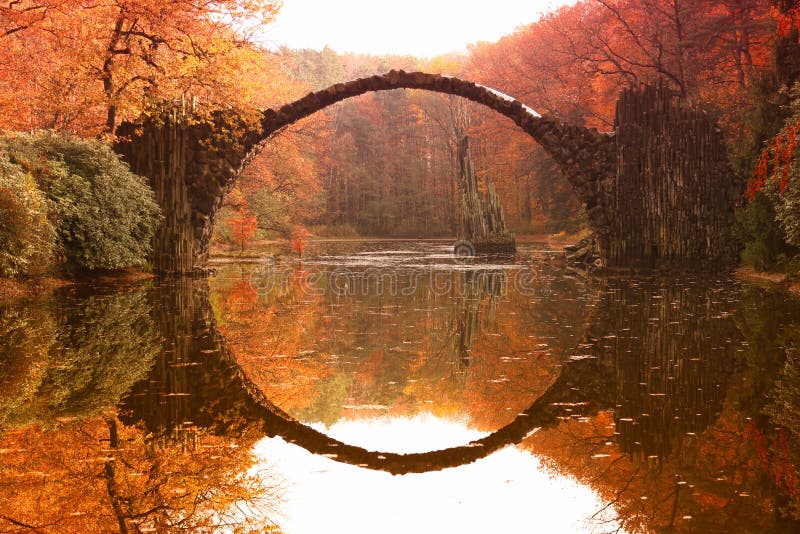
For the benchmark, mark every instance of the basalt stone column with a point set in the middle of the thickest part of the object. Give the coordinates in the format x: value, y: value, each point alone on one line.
x: 160, y: 153
x: 674, y: 193
x: 191, y: 162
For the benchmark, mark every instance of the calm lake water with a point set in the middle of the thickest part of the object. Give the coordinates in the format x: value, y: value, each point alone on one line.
x: 391, y: 387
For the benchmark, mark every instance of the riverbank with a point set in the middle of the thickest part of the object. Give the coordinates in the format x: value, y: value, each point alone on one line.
x: 18, y: 289
x: 782, y: 280
x: 258, y: 250
x: 15, y: 289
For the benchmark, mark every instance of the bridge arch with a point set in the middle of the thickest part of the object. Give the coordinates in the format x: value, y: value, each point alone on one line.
x: 192, y: 171
x: 585, y: 155
x: 659, y: 190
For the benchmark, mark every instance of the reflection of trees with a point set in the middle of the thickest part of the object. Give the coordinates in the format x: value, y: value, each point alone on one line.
x: 107, y: 343
x: 386, y: 347
x: 673, y: 352
x: 81, y: 471
x: 773, y: 370
x: 94, y: 475
x: 73, y: 360
x: 674, y: 348
x: 666, y: 352
x: 395, y: 351
x: 472, y: 291
x: 266, y: 317
x: 186, y: 388
x: 26, y: 337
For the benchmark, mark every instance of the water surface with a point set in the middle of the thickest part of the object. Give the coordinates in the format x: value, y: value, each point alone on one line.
x: 390, y: 387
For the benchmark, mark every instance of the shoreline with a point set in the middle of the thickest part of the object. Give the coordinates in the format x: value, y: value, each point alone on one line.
x: 12, y: 289
x: 256, y: 250
x: 16, y: 289
x: 780, y: 280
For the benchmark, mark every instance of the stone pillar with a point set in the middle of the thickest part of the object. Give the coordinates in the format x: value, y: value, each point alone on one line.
x: 161, y: 153
x: 674, y: 193
x: 191, y: 162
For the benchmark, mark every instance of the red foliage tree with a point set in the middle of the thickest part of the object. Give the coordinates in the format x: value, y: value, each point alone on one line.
x: 298, y: 239
x: 243, y: 226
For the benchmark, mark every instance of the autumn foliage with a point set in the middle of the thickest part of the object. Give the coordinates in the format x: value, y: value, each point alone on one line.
x: 384, y: 162
x: 298, y: 240
x: 776, y: 160
x: 84, y: 66
x: 243, y: 226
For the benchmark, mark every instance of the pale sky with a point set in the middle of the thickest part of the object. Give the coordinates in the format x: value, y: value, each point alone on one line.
x: 423, y: 28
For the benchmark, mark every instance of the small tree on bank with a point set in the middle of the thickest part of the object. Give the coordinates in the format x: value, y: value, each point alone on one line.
x: 243, y: 226
x: 298, y: 240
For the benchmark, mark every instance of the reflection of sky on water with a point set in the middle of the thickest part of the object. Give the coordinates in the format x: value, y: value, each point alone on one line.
x: 509, y: 491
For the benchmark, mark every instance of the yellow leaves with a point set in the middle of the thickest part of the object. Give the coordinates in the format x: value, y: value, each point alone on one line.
x: 451, y: 65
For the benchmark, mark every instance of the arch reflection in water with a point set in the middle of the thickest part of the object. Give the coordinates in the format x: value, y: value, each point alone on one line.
x: 200, y: 383
x: 642, y: 356
x: 244, y: 403
x: 644, y: 391
x: 665, y: 324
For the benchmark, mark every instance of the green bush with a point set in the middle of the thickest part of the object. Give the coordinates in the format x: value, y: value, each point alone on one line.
x: 26, y: 235
x: 763, y: 238
x: 104, y: 215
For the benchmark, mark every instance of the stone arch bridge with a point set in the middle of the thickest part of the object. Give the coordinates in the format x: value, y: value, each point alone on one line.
x: 658, y: 188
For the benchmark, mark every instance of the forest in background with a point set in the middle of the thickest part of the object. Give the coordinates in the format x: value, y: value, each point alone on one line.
x: 384, y: 164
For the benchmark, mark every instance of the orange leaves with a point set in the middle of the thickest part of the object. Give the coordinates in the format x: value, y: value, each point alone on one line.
x: 788, y: 21
x: 298, y: 239
x: 57, y: 479
x: 242, y: 296
x: 781, y: 151
x: 82, y: 65
x: 774, y: 458
x: 273, y: 334
x: 759, y: 176
x: 243, y: 226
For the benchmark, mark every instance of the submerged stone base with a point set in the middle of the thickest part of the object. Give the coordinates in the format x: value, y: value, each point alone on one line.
x: 584, y: 256
x: 496, y: 245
